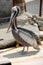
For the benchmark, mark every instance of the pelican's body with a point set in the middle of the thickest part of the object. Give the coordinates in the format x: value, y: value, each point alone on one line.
x: 23, y: 36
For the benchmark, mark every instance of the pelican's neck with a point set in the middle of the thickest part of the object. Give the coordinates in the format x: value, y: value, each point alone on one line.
x: 15, y: 26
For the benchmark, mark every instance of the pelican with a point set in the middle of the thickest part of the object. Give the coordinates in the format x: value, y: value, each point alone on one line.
x: 23, y: 36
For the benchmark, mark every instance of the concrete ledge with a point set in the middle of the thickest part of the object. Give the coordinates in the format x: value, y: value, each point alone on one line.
x: 6, y: 43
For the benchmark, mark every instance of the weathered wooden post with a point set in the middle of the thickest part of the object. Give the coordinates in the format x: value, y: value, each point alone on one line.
x: 22, y: 5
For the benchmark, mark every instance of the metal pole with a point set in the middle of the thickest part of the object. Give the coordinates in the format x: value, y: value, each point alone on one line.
x: 25, y: 7
x: 40, y: 11
x: 14, y: 2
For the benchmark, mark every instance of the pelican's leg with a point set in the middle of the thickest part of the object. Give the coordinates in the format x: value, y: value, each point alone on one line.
x: 27, y: 48
x: 23, y: 48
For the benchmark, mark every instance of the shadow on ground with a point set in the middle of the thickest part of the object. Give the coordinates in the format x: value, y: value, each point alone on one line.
x: 21, y: 54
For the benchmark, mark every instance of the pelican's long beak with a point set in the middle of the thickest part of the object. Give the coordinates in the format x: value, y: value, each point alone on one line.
x: 11, y: 18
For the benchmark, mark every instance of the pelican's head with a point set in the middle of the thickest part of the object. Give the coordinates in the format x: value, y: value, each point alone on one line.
x: 15, y: 11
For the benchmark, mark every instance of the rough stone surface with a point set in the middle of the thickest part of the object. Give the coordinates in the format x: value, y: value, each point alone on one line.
x: 3, y: 5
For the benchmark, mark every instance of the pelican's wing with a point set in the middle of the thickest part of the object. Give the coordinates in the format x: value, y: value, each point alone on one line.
x: 26, y: 36
x: 32, y: 28
x: 32, y: 34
